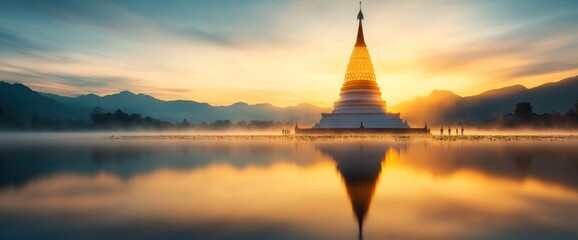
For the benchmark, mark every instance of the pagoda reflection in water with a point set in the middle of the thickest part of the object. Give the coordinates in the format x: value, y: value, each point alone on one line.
x: 360, y: 168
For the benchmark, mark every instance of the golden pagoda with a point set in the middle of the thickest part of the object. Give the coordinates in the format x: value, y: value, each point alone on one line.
x: 360, y: 108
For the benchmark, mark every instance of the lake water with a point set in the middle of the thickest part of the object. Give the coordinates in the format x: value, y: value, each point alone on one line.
x: 92, y: 188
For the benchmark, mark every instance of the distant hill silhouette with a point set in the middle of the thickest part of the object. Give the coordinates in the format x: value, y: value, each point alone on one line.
x: 191, y: 110
x: 19, y: 101
x: 442, y: 107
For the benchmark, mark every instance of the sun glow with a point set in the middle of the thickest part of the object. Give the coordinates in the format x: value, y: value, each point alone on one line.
x: 286, y: 54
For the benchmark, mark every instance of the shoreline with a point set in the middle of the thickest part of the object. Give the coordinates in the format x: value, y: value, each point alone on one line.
x: 128, y: 136
x: 411, y: 137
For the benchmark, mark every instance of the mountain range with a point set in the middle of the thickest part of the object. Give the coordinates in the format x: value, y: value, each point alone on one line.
x: 22, y: 102
x: 440, y: 107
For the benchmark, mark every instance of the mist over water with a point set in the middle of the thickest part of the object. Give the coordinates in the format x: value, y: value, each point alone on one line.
x: 503, y: 132
x: 93, y: 135
x: 79, y: 186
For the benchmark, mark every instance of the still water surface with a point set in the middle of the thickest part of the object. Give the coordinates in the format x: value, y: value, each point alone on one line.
x: 284, y: 189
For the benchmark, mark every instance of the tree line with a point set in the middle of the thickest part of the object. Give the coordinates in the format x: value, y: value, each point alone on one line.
x: 525, y: 117
x: 522, y: 117
x: 119, y: 120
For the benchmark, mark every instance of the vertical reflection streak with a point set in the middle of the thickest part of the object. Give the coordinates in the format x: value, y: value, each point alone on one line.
x: 360, y: 168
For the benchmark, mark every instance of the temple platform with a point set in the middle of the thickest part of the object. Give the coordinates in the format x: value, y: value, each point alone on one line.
x: 377, y: 119
x: 328, y: 131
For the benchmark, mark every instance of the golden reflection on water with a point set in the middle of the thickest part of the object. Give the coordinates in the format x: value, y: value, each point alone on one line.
x: 315, y: 190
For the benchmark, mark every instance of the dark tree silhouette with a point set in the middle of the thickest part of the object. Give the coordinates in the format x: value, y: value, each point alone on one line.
x: 525, y: 117
x: 523, y: 110
x: 184, y: 124
x: 119, y: 120
x: 97, y: 116
x: 122, y: 120
x: 572, y: 114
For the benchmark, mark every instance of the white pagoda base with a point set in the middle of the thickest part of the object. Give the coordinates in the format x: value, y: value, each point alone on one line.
x: 369, y: 120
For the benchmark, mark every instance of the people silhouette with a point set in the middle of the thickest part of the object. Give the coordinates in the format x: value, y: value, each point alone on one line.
x: 462, y: 130
x: 449, y: 131
x: 442, y: 131
x: 457, y: 132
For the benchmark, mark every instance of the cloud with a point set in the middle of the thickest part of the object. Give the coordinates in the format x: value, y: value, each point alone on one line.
x: 97, y: 13
x: 66, y: 83
x: 222, y: 23
x: 11, y: 43
x: 541, y: 68
x: 531, y: 48
x: 29, y: 75
x: 69, y: 84
x: 175, y: 90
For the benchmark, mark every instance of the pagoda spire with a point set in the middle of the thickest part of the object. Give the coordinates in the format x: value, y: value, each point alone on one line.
x: 360, y: 39
x: 360, y: 66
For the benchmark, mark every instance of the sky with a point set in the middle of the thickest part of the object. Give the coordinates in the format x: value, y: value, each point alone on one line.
x: 283, y: 52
